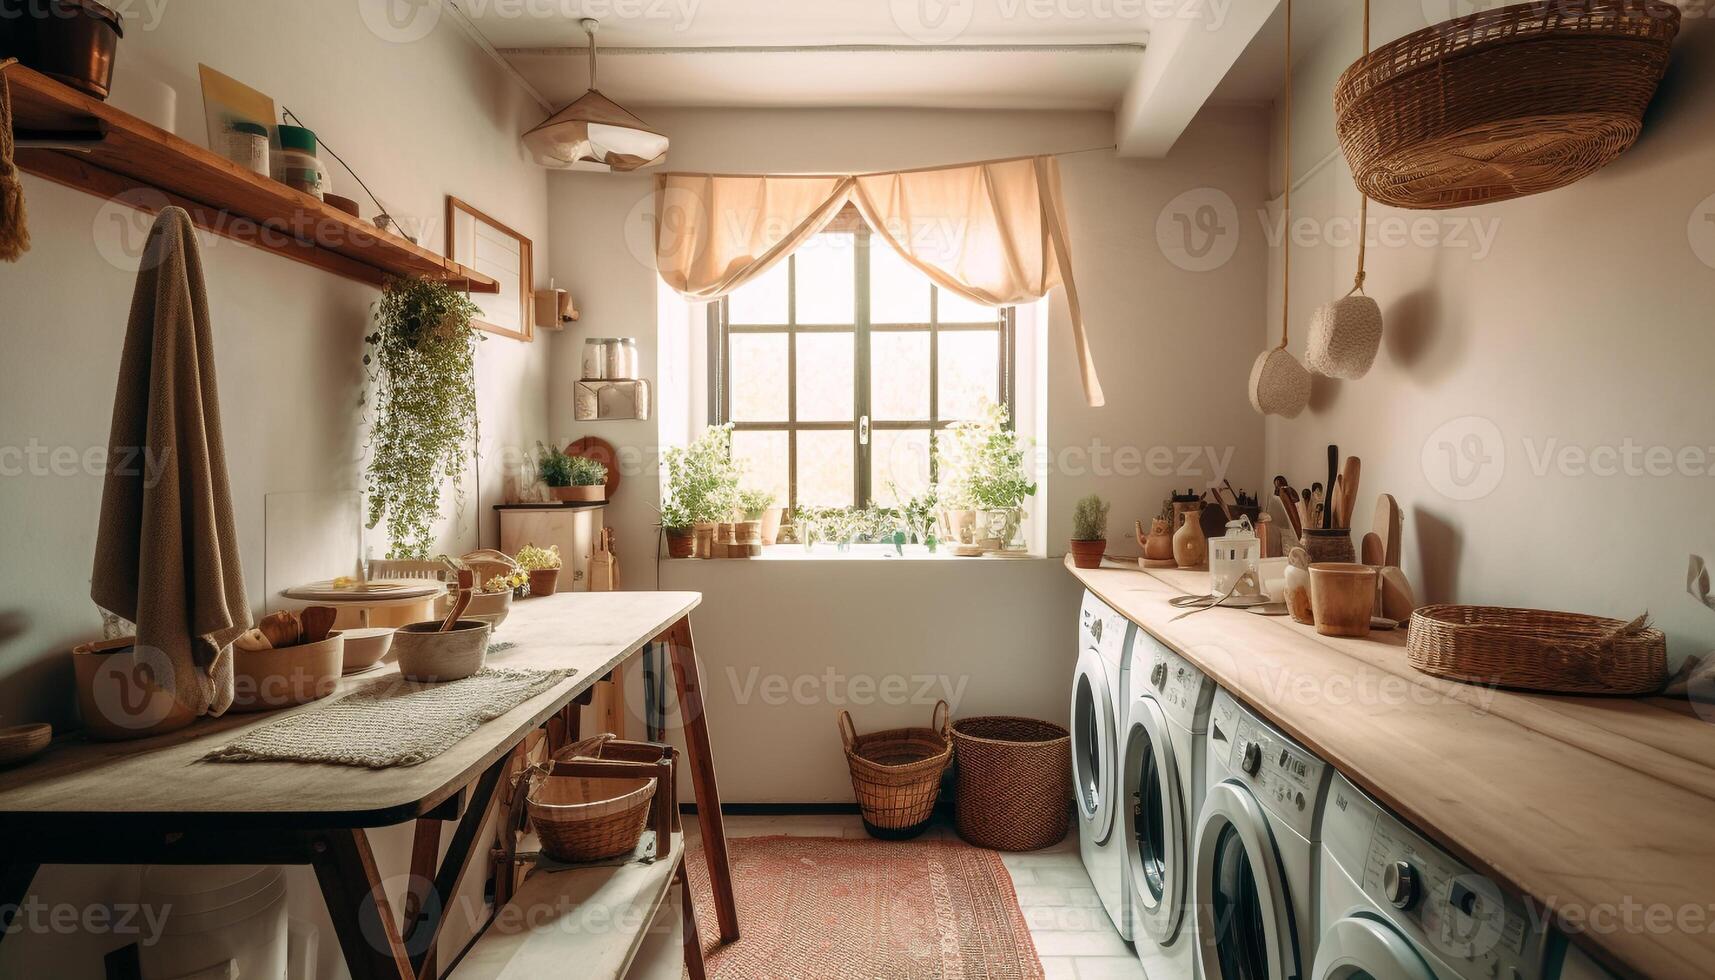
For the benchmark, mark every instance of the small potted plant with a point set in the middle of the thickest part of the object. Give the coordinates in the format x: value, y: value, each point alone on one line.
x: 543, y: 567
x: 571, y: 478
x: 1089, y: 532
x: 701, y: 488
x: 759, y: 506
x: 982, y: 462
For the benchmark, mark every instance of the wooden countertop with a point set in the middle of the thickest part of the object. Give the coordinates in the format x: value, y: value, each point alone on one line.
x: 1588, y: 807
x: 97, y: 783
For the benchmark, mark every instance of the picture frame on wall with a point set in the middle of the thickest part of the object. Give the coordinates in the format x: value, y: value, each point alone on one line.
x: 479, y: 242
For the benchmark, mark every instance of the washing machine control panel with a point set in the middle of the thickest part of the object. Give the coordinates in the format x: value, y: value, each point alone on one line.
x: 1102, y: 629
x: 1286, y: 779
x: 1445, y: 907
x: 1182, y: 690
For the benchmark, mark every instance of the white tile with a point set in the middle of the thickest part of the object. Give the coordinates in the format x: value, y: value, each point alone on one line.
x: 1105, y: 942
x: 1072, y: 875
x: 1113, y: 968
x: 1059, y: 968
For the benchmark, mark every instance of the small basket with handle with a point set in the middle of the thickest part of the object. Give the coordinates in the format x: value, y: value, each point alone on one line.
x: 896, y: 773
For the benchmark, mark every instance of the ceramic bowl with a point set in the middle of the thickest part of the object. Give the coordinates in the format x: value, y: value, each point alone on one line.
x: 263, y: 680
x: 489, y: 607
x: 365, y: 647
x: 425, y: 654
x: 22, y: 742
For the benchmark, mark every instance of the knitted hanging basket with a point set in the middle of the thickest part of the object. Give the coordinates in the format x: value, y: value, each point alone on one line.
x: 1279, y: 384
x: 1345, y: 336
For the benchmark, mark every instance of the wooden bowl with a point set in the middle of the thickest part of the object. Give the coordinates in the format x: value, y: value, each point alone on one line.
x: 489, y: 607
x: 125, y: 693
x: 365, y: 647
x: 23, y: 742
x: 264, y: 680
x: 425, y: 654
x: 1343, y: 596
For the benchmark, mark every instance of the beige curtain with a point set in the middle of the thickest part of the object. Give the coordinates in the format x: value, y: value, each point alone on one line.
x: 993, y: 232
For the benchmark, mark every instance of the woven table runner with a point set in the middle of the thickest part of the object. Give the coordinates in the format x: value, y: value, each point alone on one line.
x: 391, y: 722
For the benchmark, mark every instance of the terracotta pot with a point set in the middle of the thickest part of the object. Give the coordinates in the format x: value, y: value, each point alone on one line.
x: 543, y: 581
x: 125, y: 693
x: 1088, y: 554
x: 579, y: 495
x: 771, y: 524
x: 681, y: 542
x: 1157, y: 545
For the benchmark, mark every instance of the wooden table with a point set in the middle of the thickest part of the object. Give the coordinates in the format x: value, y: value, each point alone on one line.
x: 1578, y: 805
x: 154, y: 801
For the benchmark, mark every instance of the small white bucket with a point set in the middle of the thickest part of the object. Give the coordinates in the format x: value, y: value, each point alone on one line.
x: 215, y: 916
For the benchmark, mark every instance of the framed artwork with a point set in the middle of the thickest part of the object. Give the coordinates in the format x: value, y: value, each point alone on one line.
x: 484, y: 244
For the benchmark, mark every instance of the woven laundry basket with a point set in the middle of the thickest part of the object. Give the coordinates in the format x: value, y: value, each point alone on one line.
x: 1014, y: 783
x: 580, y: 818
x: 1502, y: 103
x: 1537, y: 650
x: 896, y: 773
x: 1279, y: 385
x: 1345, y: 336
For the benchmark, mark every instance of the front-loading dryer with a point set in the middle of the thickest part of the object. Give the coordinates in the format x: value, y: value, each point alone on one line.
x: 1396, y: 907
x: 1099, y: 689
x: 1163, y: 779
x: 1256, y: 850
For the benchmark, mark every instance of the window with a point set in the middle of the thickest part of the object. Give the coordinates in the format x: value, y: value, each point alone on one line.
x: 838, y: 365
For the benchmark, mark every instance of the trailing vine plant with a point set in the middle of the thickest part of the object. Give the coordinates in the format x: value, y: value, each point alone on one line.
x: 422, y: 365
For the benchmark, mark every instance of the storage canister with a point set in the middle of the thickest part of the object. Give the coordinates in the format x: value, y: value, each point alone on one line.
x: 595, y: 358
x: 621, y: 357
x: 297, y: 165
x: 247, y: 146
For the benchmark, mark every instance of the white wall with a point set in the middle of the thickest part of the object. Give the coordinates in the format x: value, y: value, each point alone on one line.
x: 419, y: 121
x: 1174, y: 347
x: 1582, y: 326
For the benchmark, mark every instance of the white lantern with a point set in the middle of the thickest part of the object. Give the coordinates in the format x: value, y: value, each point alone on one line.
x: 1232, y: 555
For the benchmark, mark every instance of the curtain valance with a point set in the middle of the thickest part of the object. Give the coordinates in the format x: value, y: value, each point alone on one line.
x: 992, y: 232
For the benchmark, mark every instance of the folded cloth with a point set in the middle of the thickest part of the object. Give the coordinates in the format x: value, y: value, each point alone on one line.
x: 166, y: 551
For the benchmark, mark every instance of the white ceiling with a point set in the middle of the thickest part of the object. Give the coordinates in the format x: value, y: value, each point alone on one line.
x: 1257, y: 77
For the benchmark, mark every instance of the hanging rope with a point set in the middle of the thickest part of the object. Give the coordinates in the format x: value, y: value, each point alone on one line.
x: 1364, y: 199
x: 1286, y: 203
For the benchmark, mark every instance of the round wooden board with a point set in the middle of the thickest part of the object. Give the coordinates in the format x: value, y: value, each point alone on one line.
x: 600, y: 450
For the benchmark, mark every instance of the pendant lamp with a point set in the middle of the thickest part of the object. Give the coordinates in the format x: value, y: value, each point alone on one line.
x: 595, y: 132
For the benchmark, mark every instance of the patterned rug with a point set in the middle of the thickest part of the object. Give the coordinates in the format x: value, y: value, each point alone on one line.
x: 813, y: 908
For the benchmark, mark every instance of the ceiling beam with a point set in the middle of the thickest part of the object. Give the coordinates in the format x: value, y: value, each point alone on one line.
x: 1065, y: 48
x: 1186, y: 59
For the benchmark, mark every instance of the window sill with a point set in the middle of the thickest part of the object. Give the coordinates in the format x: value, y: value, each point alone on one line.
x: 866, y: 553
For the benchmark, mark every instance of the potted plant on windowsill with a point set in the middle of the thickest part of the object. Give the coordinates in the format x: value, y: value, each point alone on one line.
x: 542, y: 565
x: 701, y: 488
x: 982, y: 462
x: 1089, y: 532
x: 759, y: 506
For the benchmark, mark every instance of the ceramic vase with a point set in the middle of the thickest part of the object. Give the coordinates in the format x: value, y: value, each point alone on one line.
x: 1190, y: 547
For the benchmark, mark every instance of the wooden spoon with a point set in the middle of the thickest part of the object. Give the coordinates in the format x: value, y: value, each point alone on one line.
x: 1387, y: 526
x: 317, y: 622
x: 466, y: 581
x: 280, y: 628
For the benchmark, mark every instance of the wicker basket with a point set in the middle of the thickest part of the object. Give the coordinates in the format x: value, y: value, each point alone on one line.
x: 1014, y: 782
x: 1502, y: 103
x: 1563, y: 653
x: 896, y: 774
x: 585, y: 819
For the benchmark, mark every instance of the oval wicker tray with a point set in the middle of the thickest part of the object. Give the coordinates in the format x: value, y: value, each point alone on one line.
x: 1502, y: 103
x: 1537, y: 650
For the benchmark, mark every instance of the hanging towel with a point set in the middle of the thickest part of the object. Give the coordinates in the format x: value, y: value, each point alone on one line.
x: 14, y: 226
x: 166, y: 553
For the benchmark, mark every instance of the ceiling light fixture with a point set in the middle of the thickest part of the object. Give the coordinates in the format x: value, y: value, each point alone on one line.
x: 595, y: 132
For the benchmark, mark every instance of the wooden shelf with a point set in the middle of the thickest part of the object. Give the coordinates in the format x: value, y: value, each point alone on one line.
x: 149, y: 168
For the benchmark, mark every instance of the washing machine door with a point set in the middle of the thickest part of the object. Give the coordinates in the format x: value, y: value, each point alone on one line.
x: 1362, y: 947
x: 1155, y: 827
x: 1245, y: 928
x: 1093, y: 737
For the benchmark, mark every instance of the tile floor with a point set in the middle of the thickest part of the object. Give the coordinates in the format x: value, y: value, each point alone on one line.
x: 1072, y: 933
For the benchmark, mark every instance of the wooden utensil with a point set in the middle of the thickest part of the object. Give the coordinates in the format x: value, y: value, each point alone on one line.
x: 467, y: 580
x: 1398, y: 600
x: 1333, y: 469
x: 1350, y: 478
x: 1387, y: 525
x: 1372, y: 552
x: 1291, y: 507
x: 281, y: 629
x: 317, y: 622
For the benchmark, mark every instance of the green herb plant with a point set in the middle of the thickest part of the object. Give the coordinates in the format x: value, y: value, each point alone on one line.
x: 702, y: 481
x: 584, y: 472
x: 421, y: 363
x: 754, y: 503
x: 553, y: 466
x: 980, y: 463
x: 1090, y: 519
x: 533, y: 559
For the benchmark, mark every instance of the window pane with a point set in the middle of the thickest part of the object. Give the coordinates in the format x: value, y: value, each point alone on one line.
x: 953, y: 308
x: 825, y: 373
x: 970, y: 371
x: 757, y: 377
x: 826, y: 464
x: 827, y: 279
x: 763, y: 455
x: 761, y: 300
x: 898, y: 456
x: 899, y: 375
x: 898, y: 293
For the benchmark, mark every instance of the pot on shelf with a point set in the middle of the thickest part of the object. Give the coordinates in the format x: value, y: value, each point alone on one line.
x: 544, y: 581
x: 681, y: 542
x: 1088, y: 554
x: 579, y: 495
x: 771, y: 524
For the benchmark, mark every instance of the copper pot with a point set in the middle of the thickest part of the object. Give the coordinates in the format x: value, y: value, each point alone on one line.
x: 71, y: 41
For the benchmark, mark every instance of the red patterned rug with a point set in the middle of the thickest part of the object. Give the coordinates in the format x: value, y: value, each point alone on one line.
x: 814, y: 908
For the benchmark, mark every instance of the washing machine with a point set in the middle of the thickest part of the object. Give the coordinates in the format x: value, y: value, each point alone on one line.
x: 1162, y: 784
x: 1256, y: 850
x: 1396, y: 907
x: 1099, y: 690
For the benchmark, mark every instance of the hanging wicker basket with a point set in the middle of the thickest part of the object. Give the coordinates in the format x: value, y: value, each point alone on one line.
x: 1502, y: 103
x: 1014, y: 786
x: 1532, y: 649
x: 896, y: 774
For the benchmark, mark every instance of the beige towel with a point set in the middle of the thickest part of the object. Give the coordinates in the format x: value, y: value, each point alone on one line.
x: 166, y: 555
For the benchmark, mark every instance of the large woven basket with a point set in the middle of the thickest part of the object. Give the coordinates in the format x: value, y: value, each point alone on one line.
x: 1014, y: 782
x: 583, y: 819
x: 896, y: 774
x: 1532, y: 649
x: 1502, y: 103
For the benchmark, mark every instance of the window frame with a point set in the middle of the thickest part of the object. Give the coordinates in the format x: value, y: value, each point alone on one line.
x: 862, y: 424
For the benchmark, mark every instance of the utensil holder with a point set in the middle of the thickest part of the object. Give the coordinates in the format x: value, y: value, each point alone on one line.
x: 1330, y: 545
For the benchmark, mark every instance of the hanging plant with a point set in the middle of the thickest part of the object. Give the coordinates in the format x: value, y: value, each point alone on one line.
x: 422, y: 365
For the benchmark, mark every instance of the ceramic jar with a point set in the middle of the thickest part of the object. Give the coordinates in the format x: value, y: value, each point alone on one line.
x: 1190, y: 547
